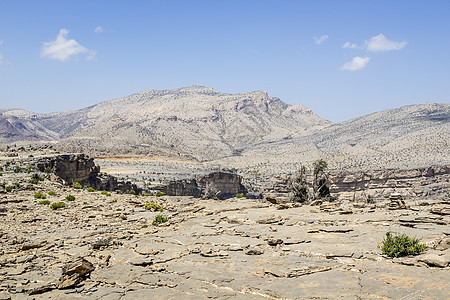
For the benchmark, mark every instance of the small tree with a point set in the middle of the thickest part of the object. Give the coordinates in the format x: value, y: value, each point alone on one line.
x: 300, y: 186
x: 320, y: 179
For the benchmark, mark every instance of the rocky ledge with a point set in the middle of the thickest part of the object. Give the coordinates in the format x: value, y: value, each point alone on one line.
x: 107, y: 246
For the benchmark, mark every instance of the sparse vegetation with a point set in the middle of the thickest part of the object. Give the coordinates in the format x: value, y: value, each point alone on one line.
x: 395, y: 245
x: 57, y: 205
x: 76, y: 185
x: 40, y: 195
x: 114, y: 201
x: 70, y: 198
x: 153, y: 207
x: 52, y: 193
x: 106, y: 193
x: 159, y: 194
x: 300, y: 186
x: 131, y: 192
x: 240, y: 195
x: 8, y: 188
x: 48, y: 170
x: 211, y: 193
x: 44, y: 202
x: 159, y: 219
x: 33, y: 181
x: 91, y: 190
x: 85, y: 203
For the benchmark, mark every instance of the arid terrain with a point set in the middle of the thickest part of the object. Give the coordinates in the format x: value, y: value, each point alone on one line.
x: 104, y: 246
x: 178, y: 150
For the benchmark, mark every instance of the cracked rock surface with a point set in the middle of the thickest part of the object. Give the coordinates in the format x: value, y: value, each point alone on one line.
x: 105, y: 247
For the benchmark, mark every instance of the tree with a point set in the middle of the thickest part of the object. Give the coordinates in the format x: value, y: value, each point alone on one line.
x: 320, y: 179
x: 300, y: 186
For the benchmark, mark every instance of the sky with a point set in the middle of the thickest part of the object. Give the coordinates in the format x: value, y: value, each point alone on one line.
x: 342, y: 59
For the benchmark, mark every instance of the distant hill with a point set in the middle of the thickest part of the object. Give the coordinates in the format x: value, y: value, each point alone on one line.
x: 238, y: 129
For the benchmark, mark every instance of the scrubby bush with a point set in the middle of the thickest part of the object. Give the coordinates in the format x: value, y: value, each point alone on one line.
x: 159, y: 194
x: 211, y: 193
x: 33, y: 181
x: 395, y: 245
x: 91, y: 190
x: 48, y: 170
x: 57, y: 205
x: 158, y: 220
x: 153, y: 207
x: 147, y: 195
x: 114, y: 201
x: 52, y: 193
x: 8, y: 188
x: 44, y: 202
x: 106, y: 193
x: 70, y: 198
x: 85, y: 203
x: 240, y: 195
x: 40, y: 195
x: 131, y: 192
x: 76, y: 185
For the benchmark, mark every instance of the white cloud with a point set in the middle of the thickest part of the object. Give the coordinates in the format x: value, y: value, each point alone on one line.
x: 356, y: 64
x: 350, y: 45
x: 98, y: 29
x: 62, y: 48
x: 381, y: 43
x: 320, y: 40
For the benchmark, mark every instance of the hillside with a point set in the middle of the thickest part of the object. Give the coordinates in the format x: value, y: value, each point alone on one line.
x: 239, y: 130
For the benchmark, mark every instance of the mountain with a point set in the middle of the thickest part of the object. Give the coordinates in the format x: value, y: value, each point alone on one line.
x: 410, y: 136
x: 240, y: 130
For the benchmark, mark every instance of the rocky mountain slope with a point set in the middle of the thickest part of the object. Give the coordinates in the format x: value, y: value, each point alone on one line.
x: 239, y: 130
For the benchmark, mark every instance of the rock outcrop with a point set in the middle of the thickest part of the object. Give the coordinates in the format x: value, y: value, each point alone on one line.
x: 82, y: 169
x: 225, y: 184
x: 432, y: 181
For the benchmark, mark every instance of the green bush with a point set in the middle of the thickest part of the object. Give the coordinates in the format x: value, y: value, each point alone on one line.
x: 159, y: 194
x: 76, y: 185
x: 57, y: 205
x: 401, y: 245
x: 114, y: 201
x: 33, y: 181
x: 44, y: 202
x: 70, y: 198
x: 48, y: 170
x: 8, y: 188
x: 91, y: 190
x: 52, y: 193
x: 239, y: 195
x: 131, y: 192
x: 106, y: 193
x: 16, y: 184
x: 153, y: 207
x: 158, y: 220
x: 40, y: 195
x: 147, y: 195
x: 85, y: 203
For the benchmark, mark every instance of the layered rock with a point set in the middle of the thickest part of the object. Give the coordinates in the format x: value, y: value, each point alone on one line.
x: 82, y: 169
x: 224, y: 183
x: 410, y: 183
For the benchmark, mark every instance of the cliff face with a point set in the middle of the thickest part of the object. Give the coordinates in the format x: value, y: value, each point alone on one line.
x: 225, y: 184
x: 82, y: 169
x: 416, y: 183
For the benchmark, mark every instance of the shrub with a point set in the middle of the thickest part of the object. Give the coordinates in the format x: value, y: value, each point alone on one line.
x: 106, y: 193
x: 48, y: 170
x: 33, y: 181
x: 131, y: 192
x: 158, y: 220
x: 76, y: 185
x: 153, y: 207
x: 44, y: 202
x: 159, y: 194
x: 16, y: 184
x: 401, y: 245
x: 91, y: 190
x: 114, y: 201
x: 240, y: 195
x: 147, y: 195
x: 52, y: 193
x: 57, y: 205
x: 40, y: 195
x: 8, y: 188
x: 85, y: 203
x: 70, y: 198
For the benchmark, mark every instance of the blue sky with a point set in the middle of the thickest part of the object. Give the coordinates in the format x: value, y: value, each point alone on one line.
x: 342, y: 59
